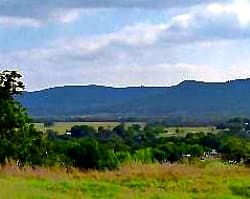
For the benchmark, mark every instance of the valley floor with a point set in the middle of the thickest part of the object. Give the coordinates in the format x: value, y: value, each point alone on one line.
x: 206, y: 180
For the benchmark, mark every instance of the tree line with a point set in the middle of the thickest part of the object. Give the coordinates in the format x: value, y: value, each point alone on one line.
x: 87, y: 148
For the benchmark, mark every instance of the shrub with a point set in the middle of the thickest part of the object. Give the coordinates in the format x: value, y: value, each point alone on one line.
x: 144, y: 155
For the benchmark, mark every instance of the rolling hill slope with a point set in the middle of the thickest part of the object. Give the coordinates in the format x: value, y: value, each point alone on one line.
x: 189, y: 99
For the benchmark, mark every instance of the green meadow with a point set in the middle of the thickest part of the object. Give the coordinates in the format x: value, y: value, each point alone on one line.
x: 154, y: 181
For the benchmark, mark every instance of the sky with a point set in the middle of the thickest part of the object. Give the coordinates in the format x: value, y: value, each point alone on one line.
x: 126, y: 42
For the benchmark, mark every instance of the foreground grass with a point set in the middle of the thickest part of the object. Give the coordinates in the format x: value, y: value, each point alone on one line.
x: 131, y: 181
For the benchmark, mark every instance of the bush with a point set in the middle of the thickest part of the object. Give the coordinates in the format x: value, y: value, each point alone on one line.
x: 159, y: 155
x: 87, y: 153
x: 144, y: 156
x: 108, y: 160
x: 236, y: 149
x: 83, y: 131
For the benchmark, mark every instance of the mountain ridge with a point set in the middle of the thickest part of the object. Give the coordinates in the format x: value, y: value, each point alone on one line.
x: 189, y: 99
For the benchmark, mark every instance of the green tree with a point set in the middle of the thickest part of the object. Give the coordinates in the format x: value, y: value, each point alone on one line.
x: 88, y: 153
x: 18, y: 138
x: 235, y: 148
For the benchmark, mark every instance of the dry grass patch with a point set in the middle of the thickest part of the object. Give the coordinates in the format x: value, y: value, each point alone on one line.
x: 214, y: 180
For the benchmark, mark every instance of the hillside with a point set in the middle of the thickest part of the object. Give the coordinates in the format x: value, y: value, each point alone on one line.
x: 189, y: 99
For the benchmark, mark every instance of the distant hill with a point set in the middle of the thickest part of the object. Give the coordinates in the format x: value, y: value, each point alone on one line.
x: 189, y: 99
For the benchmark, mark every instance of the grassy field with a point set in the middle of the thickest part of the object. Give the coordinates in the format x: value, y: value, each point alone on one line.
x: 185, y: 130
x: 213, y: 180
x: 61, y: 127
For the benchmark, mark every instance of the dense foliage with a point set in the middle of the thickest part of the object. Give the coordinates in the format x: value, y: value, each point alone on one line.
x: 88, y: 148
x: 19, y: 140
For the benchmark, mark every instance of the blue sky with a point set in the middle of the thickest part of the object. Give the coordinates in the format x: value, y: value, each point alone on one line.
x: 126, y: 42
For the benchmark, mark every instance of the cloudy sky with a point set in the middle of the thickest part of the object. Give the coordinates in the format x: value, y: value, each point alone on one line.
x: 125, y: 42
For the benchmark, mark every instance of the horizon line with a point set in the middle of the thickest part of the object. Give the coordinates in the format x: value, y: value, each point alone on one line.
x: 137, y: 86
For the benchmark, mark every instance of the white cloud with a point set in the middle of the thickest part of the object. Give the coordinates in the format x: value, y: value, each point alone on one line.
x: 65, y: 16
x: 186, y: 46
x: 182, y: 29
x: 65, y: 10
x: 238, y: 72
x: 16, y: 21
x: 125, y: 75
x: 183, y: 20
x: 240, y: 8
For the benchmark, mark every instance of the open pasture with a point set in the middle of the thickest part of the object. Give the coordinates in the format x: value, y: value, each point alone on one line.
x: 62, y: 127
x: 185, y: 130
